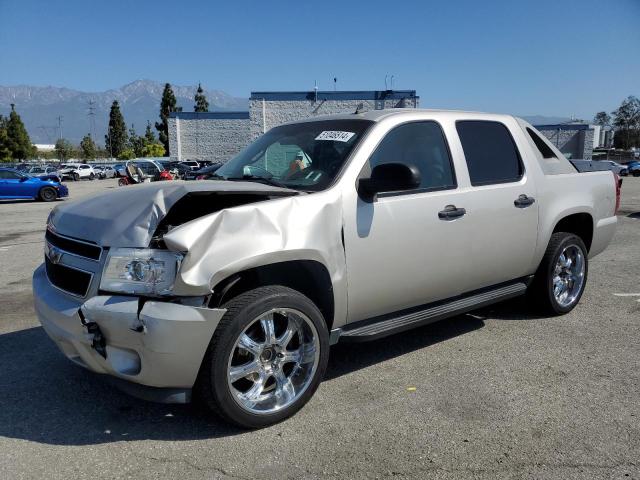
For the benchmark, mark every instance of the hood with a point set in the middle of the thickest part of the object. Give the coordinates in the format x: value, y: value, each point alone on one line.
x: 129, y: 216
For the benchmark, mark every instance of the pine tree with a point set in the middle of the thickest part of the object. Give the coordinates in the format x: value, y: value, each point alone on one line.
x: 167, y: 105
x: 136, y: 142
x: 149, y: 136
x: 88, y: 147
x: 5, y: 153
x: 116, y: 138
x: 201, y: 101
x: 19, y: 143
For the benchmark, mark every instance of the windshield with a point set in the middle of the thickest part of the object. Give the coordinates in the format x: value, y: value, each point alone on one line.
x: 304, y: 156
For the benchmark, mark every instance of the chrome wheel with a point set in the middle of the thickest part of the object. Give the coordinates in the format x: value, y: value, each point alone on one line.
x: 568, y: 275
x: 273, y: 361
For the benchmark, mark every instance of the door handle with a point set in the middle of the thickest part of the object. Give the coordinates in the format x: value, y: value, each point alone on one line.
x: 523, y: 201
x: 450, y: 212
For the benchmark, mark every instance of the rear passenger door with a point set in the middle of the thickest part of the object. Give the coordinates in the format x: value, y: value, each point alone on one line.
x: 502, y: 207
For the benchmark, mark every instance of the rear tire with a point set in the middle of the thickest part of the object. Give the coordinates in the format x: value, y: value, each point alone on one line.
x: 562, y: 275
x: 253, y: 378
x: 48, y: 194
x: 92, y: 176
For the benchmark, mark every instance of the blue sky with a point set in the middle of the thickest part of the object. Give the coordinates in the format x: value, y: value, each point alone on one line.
x: 547, y: 57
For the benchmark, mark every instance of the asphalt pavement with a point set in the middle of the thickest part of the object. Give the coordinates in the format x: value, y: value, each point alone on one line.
x: 500, y: 393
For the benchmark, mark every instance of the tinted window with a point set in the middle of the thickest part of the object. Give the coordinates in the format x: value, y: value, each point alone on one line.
x: 423, y: 145
x: 543, y: 148
x: 6, y: 174
x: 490, y: 152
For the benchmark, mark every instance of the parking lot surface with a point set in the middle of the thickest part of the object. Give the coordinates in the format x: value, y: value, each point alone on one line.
x: 500, y: 393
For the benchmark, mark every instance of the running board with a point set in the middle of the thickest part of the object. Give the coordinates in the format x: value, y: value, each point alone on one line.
x: 388, y: 325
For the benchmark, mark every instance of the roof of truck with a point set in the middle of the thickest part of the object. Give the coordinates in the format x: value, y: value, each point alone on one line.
x: 378, y: 115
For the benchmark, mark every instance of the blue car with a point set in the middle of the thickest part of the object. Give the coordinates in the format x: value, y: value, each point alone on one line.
x: 634, y: 168
x: 15, y: 184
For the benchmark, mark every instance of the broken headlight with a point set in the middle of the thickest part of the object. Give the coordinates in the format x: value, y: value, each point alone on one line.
x: 140, y: 271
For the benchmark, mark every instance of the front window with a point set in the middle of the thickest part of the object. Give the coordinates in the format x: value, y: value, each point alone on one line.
x: 302, y: 156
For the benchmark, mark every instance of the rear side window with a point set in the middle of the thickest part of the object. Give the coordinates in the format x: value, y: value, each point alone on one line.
x: 543, y: 148
x: 490, y: 152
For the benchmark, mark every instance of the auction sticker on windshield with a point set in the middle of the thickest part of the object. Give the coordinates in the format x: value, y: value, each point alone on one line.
x: 335, y: 136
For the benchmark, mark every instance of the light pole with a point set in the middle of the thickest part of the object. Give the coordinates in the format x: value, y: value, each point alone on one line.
x: 110, y: 144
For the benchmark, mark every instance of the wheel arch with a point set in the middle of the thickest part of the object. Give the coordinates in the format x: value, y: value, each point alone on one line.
x: 309, y: 277
x: 580, y: 224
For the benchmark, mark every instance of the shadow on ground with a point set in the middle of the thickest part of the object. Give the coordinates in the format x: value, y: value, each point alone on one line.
x: 47, y: 399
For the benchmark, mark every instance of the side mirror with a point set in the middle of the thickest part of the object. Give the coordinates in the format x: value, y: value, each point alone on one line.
x: 389, y: 177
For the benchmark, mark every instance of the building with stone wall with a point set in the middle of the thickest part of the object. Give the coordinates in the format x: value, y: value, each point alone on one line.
x: 215, y: 136
x: 218, y: 136
x: 574, y: 140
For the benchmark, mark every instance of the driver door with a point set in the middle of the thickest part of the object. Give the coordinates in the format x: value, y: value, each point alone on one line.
x: 400, y: 252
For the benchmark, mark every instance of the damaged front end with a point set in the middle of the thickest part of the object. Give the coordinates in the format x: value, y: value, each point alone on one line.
x: 128, y: 276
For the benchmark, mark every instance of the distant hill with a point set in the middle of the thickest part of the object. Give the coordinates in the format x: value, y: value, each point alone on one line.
x: 139, y: 101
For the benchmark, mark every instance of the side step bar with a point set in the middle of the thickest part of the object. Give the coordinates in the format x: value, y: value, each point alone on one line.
x: 389, y: 324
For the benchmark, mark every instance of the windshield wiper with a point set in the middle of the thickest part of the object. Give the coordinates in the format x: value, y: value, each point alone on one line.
x: 257, y: 178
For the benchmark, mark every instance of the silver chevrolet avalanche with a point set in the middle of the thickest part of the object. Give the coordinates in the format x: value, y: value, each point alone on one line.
x: 345, y: 228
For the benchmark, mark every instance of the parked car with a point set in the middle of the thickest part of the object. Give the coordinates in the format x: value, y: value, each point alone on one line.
x: 179, y: 171
x: 600, y: 165
x: 234, y: 290
x: 202, y: 173
x: 192, y: 164
x: 44, y: 172
x: 633, y: 168
x: 76, y: 171
x: 17, y: 184
x: 106, y: 171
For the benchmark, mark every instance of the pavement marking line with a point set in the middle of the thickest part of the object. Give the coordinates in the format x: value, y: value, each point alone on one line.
x: 628, y: 295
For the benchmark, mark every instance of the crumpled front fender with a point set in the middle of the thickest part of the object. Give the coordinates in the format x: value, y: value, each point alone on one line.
x: 306, y: 227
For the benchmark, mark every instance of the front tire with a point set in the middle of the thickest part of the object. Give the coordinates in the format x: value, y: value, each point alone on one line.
x: 562, y: 275
x: 48, y: 194
x: 76, y: 177
x: 266, y: 358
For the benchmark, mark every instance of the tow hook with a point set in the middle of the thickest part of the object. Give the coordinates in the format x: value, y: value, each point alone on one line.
x: 98, y: 342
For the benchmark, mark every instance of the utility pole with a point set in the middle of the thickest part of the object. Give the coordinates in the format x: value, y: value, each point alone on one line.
x: 92, y: 120
x: 60, y: 127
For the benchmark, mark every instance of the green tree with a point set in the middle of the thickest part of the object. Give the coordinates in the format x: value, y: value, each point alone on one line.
x: 149, y: 136
x: 626, y: 119
x: 201, y: 101
x: 64, y: 149
x: 153, y: 150
x: 5, y: 152
x: 19, y: 143
x: 127, y: 154
x: 167, y: 105
x: 88, y: 147
x: 602, y: 118
x: 136, y: 142
x: 116, y: 138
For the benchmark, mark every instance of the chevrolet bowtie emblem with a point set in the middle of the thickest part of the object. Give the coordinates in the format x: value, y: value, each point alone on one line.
x: 54, y: 254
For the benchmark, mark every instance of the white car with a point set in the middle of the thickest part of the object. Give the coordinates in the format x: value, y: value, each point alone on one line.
x: 76, y: 171
x: 105, y: 172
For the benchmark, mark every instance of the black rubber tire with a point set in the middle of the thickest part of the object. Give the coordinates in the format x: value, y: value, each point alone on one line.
x: 47, y: 194
x: 92, y: 176
x: 541, y: 289
x: 212, y: 388
x: 122, y: 182
x: 76, y: 177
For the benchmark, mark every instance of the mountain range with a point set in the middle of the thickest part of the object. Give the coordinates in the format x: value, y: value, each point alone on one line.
x: 40, y: 107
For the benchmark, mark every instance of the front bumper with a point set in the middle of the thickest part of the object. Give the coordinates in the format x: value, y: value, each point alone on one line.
x: 159, y: 345
x: 63, y: 191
